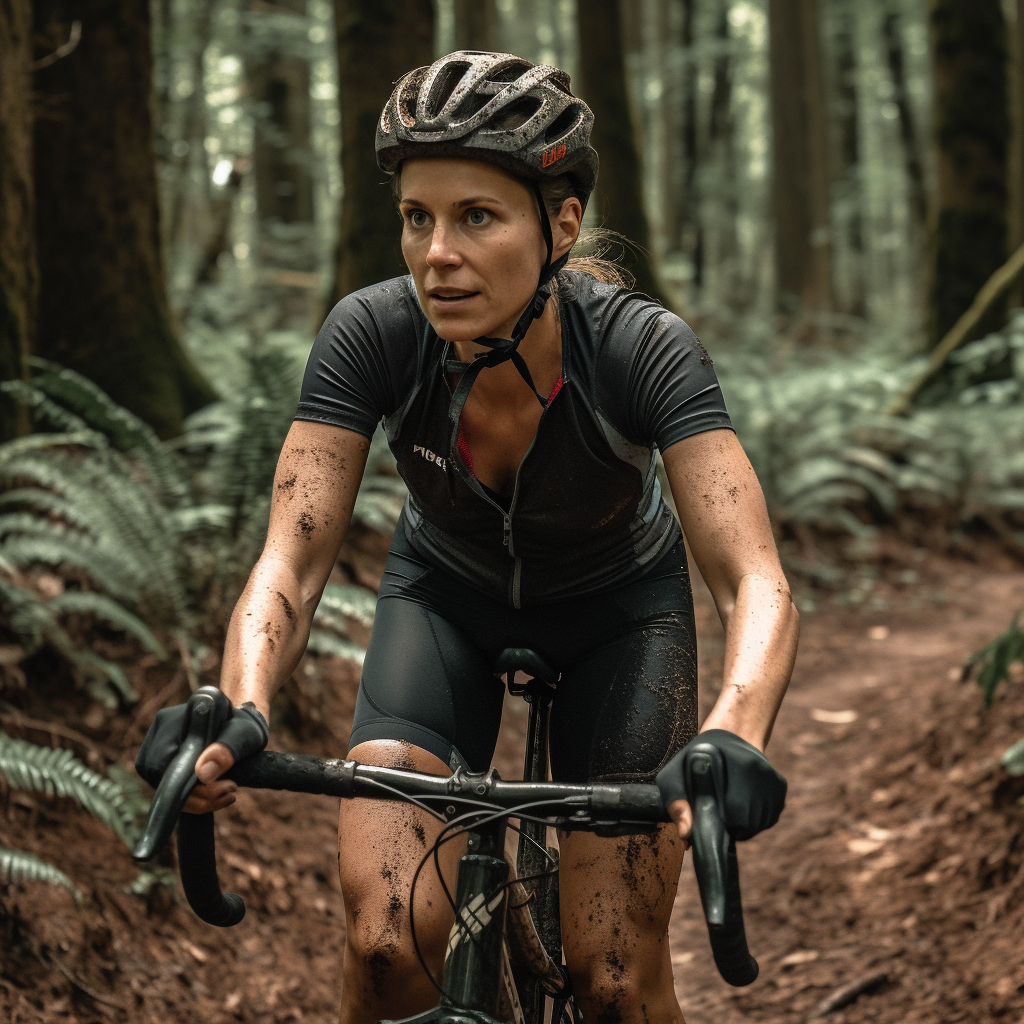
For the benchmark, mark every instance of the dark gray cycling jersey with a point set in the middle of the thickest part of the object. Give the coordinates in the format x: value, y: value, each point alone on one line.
x: 587, y: 511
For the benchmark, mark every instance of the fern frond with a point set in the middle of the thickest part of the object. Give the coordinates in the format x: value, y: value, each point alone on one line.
x: 18, y: 866
x: 329, y: 644
x: 59, y: 773
x: 351, y: 602
x: 99, y: 606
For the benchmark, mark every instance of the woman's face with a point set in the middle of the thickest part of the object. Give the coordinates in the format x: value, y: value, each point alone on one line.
x: 471, y: 238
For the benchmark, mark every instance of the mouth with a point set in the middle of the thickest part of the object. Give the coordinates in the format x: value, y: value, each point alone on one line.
x: 451, y: 297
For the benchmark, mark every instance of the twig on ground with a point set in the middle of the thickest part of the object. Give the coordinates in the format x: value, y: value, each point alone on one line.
x: 846, y: 994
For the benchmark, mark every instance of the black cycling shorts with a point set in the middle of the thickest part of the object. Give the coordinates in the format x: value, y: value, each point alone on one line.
x: 626, y: 700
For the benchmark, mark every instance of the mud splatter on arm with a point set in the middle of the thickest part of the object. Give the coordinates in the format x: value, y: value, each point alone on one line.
x: 318, y: 476
x: 723, y: 514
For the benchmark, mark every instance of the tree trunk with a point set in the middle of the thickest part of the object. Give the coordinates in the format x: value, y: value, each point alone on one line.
x: 848, y: 248
x: 908, y: 131
x: 476, y: 25
x: 619, y: 195
x: 103, y: 305
x: 971, y: 130
x: 18, y: 275
x: 799, y: 164
x: 1016, y: 162
x: 378, y: 42
x: 282, y: 157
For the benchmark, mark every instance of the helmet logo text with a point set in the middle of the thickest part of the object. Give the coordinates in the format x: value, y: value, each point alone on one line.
x: 550, y: 156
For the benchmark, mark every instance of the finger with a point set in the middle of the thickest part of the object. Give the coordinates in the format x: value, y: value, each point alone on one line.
x: 679, y: 811
x: 213, y: 797
x: 193, y: 805
x: 213, y: 762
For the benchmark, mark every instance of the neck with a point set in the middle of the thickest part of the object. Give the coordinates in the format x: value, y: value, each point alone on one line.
x: 542, y: 350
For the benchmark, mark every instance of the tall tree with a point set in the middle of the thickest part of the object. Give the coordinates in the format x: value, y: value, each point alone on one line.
x: 619, y: 195
x: 891, y: 32
x: 845, y: 163
x: 799, y: 165
x: 18, y: 281
x: 378, y: 42
x: 1016, y: 162
x: 476, y: 25
x: 972, y: 129
x: 102, y: 304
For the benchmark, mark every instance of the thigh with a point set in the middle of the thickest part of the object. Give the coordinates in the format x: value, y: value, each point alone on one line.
x: 621, y: 711
x: 424, y: 682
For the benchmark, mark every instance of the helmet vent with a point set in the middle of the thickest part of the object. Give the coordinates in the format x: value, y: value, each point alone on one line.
x: 510, y: 72
x: 470, y: 105
x: 563, y: 124
x: 444, y: 85
x: 515, y: 115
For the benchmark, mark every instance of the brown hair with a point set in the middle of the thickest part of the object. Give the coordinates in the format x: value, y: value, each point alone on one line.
x: 593, y: 245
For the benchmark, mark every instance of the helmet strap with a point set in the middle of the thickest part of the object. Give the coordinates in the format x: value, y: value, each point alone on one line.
x: 505, y: 349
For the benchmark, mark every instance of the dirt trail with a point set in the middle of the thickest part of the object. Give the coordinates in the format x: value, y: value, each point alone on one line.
x: 900, y: 854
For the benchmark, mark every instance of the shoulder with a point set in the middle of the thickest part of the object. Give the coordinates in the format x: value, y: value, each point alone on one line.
x: 387, y: 310
x: 621, y: 327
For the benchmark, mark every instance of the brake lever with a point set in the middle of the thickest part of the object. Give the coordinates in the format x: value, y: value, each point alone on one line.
x: 716, y: 865
x: 208, y: 710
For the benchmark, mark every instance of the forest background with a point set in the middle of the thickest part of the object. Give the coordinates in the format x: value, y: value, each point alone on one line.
x: 831, y: 192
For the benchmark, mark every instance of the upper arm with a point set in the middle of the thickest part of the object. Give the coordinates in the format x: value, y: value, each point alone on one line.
x: 722, y: 511
x: 315, y: 486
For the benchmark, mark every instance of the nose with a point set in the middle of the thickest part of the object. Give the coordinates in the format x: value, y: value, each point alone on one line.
x: 442, y: 252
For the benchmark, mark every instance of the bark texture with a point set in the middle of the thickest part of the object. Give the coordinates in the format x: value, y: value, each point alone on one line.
x: 800, y: 177
x: 18, y: 277
x: 476, y: 25
x: 1016, y: 161
x: 619, y: 195
x: 103, y: 303
x: 378, y: 42
x: 971, y: 130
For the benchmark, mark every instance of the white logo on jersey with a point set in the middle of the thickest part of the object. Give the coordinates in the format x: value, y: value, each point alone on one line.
x: 430, y: 456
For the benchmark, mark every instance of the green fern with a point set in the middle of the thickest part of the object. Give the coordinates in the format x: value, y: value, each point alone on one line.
x: 18, y: 866
x: 992, y: 662
x: 59, y: 773
x: 339, y: 605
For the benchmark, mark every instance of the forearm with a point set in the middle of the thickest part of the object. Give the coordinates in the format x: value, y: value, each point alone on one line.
x: 268, y: 633
x: 761, y: 630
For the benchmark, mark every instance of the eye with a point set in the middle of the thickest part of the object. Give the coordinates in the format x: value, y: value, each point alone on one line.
x: 478, y: 217
x: 418, y: 218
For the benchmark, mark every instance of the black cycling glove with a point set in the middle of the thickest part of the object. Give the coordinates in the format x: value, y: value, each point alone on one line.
x: 245, y: 732
x: 755, y: 792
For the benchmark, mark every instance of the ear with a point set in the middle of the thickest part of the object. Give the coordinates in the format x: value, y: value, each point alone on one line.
x: 565, y: 227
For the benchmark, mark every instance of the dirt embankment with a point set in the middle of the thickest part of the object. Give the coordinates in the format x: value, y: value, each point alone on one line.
x: 898, y: 866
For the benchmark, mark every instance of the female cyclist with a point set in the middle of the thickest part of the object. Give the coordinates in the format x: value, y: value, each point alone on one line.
x: 524, y: 399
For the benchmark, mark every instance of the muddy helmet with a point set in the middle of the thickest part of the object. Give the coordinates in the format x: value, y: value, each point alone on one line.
x: 495, y: 107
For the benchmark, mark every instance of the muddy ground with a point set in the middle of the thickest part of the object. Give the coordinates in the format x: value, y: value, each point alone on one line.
x: 897, y: 868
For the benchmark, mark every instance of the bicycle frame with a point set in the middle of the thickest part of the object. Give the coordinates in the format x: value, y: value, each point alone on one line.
x: 473, y: 968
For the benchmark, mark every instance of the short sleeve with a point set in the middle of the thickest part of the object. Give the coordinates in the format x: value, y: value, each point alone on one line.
x: 673, y: 388
x: 355, y: 368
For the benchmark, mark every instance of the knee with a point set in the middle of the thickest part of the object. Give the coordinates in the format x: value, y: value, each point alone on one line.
x: 381, y: 963
x: 610, y: 987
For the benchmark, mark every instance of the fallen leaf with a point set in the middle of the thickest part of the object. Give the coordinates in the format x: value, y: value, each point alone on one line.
x: 834, y: 717
x: 862, y: 847
x: 799, y: 956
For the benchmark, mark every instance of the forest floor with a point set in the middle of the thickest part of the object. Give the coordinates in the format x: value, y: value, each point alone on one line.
x: 897, y: 868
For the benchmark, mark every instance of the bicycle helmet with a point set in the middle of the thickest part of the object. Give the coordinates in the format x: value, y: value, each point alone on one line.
x: 495, y: 107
